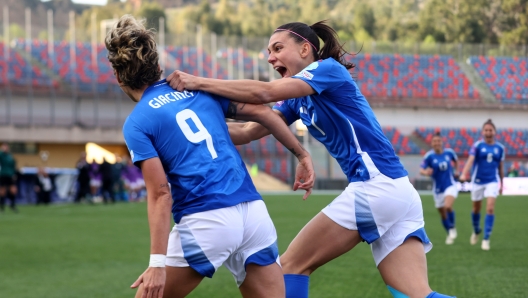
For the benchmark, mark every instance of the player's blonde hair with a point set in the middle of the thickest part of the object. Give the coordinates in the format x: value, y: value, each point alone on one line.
x: 132, y: 52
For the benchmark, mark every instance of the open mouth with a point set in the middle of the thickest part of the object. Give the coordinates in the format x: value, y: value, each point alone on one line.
x: 281, y: 70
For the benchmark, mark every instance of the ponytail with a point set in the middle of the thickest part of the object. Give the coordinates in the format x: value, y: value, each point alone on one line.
x: 490, y: 123
x: 301, y: 32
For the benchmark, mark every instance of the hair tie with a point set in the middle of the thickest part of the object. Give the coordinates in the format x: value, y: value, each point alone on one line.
x: 299, y: 36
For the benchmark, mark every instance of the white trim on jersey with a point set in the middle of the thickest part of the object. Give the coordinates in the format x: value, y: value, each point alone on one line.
x: 371, y: 167
x: 313, y: 123
x: 474, y: 176
x: 453, y: 152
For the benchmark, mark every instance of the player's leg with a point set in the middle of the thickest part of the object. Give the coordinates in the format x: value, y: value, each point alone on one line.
x: 491, y: 193
x: 400, y: 255
x: 2, y: 195
x: 263, y: 282
x: 254, y: 264
x: 180, y: 281
x: 449, y: 199
x: 319, y: 242
x: 405, y: 269
x: 477, y: 194
x: 11, y: 194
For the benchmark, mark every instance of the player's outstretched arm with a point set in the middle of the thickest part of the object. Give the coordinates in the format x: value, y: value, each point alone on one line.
x: 244, y: 133
x: 465, y: 172
x: 159, y: 202
x: 274, y: 124
x: 249, y: 91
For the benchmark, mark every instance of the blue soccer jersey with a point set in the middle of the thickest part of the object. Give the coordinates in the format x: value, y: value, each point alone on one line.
x: 487, y: 162
x: 442, y: 168
x: 339, y: 117
x: 187, y: 131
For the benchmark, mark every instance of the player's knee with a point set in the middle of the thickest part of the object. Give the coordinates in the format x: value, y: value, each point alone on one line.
x: 292, y: 266
x: 490, y: 210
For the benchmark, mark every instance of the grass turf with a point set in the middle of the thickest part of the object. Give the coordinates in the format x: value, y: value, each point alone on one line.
x: 98, y: 251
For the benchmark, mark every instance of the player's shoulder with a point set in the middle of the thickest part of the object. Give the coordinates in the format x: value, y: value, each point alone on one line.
x: 498, y: 144
x: 428, y: 154
x: 450, y: 151
x: 478, y: 143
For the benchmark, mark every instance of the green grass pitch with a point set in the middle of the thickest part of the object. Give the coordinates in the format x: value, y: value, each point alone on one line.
x: 98, y: 251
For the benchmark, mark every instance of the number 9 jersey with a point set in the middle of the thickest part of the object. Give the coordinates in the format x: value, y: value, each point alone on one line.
x: 487, y: 162
x: 187, y: 131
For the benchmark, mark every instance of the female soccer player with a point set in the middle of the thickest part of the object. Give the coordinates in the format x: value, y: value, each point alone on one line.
x: 437, y: 165
x: 486, y: 159
x: 181, y: 143
x: 380, y: 205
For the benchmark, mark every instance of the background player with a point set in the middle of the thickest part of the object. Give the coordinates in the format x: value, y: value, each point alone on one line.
x: 486, y: 159
x: 380, y: 205
x: 437, y: 165
x: 181, y: 143
x: 8, y: 178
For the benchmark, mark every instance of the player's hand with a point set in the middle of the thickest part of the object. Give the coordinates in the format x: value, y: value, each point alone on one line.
x: 180, y: 81
x: 304, y: 176
x: 153, y: 280
x: 462, y: 177
x: 428, y: 171
x: 500, y: 190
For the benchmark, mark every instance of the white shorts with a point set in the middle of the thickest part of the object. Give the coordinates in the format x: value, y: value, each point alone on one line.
x: 95, y: 183
x: 481, y: 191
x: 439, y: 198
x: 233, y: 236
x: 383, y: 210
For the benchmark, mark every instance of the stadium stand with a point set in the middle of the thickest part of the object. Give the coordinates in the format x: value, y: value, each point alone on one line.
x: 460, y: 139
x: 401, y: 144
x: 17, y: 70
x: 411, y: 76
x: 506, y: 77
x: 190, y: 65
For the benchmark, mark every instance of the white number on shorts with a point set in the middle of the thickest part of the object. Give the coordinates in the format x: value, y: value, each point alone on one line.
x: 201, y: 135
x: 442, y: 166
x: 489, y: 158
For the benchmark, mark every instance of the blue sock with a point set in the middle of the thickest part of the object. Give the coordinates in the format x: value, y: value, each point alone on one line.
x: 446, y: 224
x: 438, y: 295
x: 488, y: 225
x: 395, y: 293
x: 451, y: 217
x: 296, y: 285
x: 476, y: 222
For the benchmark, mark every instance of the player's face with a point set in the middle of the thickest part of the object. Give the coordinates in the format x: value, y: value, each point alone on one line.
x: 436, y: 143
x: 488, y: 131
x: 286, y: 55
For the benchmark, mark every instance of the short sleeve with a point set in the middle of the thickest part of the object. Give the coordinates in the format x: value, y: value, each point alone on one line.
x: 425, y: 162
x: 473, y: 150
x: 224, y: 102
x: 285, y: 108
x: 453, y: 155
x: 138, y: 142
x: 321, y: 75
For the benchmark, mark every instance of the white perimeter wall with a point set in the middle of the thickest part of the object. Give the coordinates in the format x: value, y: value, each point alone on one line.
x: 407, y: 119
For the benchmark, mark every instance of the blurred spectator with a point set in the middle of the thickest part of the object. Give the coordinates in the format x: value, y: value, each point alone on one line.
x: 43, y: 187
x: 107, y: 179
x: 134, y: 182
x: 119, y: 187
x: 95, y: 179
x: 83, y: 180
x: 513, y: 172
x: 8, y: 178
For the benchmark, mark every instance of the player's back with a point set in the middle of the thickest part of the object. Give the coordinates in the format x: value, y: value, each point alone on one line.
x: 187, y: 131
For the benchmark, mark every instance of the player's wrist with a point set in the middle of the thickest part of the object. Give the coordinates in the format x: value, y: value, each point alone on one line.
x: 157, y: 260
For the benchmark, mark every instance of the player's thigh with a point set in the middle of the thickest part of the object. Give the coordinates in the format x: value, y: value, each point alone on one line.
x: 439, y: 200
x: 450, y: 194
x: 263, y: 281
x: 319, y: 242
x: 491, y: 190
x: 180, y: 281
x: 477, y: 192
